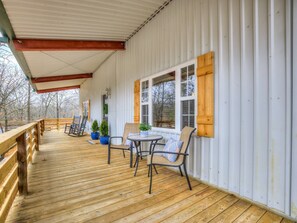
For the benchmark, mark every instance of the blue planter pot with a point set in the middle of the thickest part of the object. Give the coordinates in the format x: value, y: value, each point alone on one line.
x: 95, y: 135
x: 104, y: 140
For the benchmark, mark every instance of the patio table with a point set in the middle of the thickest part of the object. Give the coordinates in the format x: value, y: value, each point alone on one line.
x: 137, y: 139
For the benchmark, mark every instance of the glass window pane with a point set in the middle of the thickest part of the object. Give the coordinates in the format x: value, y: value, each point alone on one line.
x: 144, y: 90
x: 144, y: 114
x: 191, y: 70
x: 192, y: 121
x: 144, y: 97
x: 163, y: 101
x: 191, y: 85
x: 183, y: 89
x: 144, y: 85
x: 184, y: 74
x: 184, y: 121
x: 184, y: 107
x: 188, y: 113
x: 191, y: 107
x: 188, y: 81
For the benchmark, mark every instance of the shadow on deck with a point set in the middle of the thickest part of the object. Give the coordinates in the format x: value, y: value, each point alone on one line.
x: 70, y: 181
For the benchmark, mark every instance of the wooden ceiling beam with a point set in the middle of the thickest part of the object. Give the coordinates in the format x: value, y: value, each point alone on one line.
x: 57, y: 89
x: 61, y: 78
x: 62, y: 45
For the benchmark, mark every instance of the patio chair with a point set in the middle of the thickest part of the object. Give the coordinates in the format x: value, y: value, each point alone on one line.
x: 130, y: 128
x: 75, y: 122
x: 156, y: 157
x: 78, y: 130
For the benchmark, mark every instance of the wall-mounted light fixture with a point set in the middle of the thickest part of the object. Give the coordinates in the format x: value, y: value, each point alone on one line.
x: 108, y: 92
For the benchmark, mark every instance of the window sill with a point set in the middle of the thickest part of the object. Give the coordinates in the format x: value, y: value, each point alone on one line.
x: 165, y: 130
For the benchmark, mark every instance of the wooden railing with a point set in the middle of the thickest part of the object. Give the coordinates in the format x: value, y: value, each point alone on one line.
x: 16, y: 149
x: 55, y: 123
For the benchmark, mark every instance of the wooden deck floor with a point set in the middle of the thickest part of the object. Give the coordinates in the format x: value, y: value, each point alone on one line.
x: 70, y: 182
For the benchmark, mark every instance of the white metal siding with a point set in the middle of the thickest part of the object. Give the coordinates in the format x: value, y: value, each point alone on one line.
x: 251, y: 152
x: 294, y: 123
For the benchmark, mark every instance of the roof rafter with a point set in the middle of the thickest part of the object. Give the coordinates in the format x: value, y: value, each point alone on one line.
x: 60, y: 78
x: 57, y: 89
x: 58, y: 45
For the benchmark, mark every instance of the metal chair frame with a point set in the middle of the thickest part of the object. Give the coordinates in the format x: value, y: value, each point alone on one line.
x: 185, y: 154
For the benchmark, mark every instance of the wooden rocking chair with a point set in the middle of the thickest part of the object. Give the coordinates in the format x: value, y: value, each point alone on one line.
x: 78, y: 130
x: 69, y: 126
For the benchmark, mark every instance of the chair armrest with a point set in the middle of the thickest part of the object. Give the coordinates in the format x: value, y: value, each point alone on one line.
x: 166, y: 152
x: 115, y: 137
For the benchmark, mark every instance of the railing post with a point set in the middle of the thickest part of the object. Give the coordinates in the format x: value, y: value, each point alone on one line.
x: 22, y: 161
x: 37, y: 132
x: 42, y: 127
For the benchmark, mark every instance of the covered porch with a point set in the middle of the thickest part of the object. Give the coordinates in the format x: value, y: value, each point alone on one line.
x: 227, y: 68
x: 69, y: 181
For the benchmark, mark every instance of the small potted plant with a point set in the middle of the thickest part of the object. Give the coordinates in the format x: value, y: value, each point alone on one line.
x: 95, y: 129
x: 104, y: 137
x: 144, y: 129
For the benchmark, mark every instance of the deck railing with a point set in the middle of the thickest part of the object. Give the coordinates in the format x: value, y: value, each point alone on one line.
x: 56, y: 123
x: 16, y: 149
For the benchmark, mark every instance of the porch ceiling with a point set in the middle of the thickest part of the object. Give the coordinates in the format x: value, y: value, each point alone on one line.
x: 113, y: 20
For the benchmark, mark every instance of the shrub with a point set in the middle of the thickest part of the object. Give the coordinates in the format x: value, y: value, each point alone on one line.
x: 104, y: 128
x: 95, y: 126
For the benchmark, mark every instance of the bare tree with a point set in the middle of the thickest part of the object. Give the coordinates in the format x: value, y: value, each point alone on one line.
x: 18, y: 101
x: 11, y: 82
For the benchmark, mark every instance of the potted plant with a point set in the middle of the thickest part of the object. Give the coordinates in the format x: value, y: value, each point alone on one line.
x: 104, y: 137
x: 144, y: 129
x: 95, y: 129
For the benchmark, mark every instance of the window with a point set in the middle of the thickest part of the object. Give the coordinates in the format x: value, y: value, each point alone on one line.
x: 144, y: 114
x: 188, y: 113
x: 144, y: 91
x: 188, y: 96
x: 144, y: 102
x: 163, y: 101
x: 168, y: 98
x: 188, y: 81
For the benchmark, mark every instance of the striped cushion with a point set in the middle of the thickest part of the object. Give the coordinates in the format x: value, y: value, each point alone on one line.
x: 172, y: 145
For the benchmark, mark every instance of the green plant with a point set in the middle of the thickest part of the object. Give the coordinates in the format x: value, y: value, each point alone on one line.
x: 104, y: 128
x: 105, y: 109
x: 95, y: 126
x: 145, y: 127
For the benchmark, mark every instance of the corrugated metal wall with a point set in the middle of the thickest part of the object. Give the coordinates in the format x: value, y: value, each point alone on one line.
x: 294, y: 134
x: 251, y: 153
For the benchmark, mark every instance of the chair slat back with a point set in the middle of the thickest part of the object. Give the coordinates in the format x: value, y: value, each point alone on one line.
x: 76, y: 119
x: 83, y: 122
x: 130, y: 128
x: 185, y: 137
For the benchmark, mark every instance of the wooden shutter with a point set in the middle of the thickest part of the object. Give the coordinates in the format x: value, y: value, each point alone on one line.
x: 137, y: 101
x: 205, y: 83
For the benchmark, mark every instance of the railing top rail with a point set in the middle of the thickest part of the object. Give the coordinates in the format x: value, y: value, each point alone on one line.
x: 8, y: 138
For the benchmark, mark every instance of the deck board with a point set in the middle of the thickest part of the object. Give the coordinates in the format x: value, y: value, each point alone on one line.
x: 70, y: 181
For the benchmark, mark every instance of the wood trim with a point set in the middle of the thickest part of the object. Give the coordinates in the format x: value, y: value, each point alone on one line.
x: 205, y: 87
x: 56, y: 45
x: 57, y: 89
x: 61, y: 78
x: 137, y: 101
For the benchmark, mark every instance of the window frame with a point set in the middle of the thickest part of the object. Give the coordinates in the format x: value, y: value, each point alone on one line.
x: 178, y: 97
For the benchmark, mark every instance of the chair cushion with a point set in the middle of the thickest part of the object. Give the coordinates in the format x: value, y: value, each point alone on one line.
x: 120, y: 146
x: 163, y: 161
x: 172, y: 145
